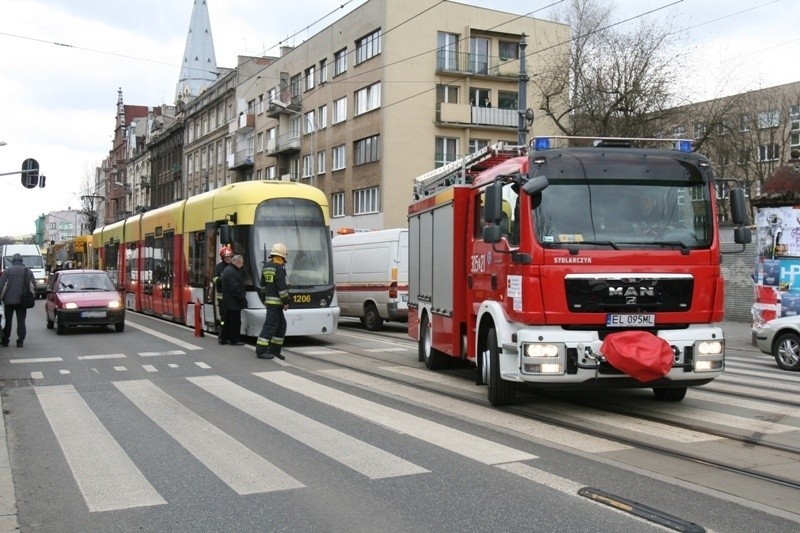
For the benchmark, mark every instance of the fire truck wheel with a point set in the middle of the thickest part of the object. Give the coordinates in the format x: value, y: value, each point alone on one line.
x: 501, y: 392
x: 372, y: 319
x: 670, y: 395
x: 433, y: 358
x: 787, y: 351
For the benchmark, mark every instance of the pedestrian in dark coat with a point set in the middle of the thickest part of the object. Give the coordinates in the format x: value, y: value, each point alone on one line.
x: 276, y: 300
x: 226, y: 254
x: 234, y: 299
x: 15, y: 280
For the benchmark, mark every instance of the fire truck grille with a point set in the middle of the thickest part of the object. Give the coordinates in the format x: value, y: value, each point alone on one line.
x: 629, y: 295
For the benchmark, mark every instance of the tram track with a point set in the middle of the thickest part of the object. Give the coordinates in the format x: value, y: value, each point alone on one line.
x: 749, y: 444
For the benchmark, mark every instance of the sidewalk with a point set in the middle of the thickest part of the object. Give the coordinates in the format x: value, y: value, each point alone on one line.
x: 739, y: 335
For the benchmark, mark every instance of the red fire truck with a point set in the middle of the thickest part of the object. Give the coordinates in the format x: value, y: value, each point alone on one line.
x: 594, y: 266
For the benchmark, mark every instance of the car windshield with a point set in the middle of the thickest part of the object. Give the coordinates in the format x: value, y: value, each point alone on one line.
x: 84, y: 282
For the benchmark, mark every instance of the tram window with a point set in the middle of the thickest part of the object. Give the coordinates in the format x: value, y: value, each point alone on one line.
x: 197, y: 248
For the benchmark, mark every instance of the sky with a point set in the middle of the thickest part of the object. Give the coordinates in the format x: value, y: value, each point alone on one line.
x: 62, y: 62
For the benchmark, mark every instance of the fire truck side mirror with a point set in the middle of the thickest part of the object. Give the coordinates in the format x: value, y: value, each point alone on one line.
x: 536, y: 185
x: 491, y: 233
x: 739, y: 207
x: 493, y: 204
x: 742, y: 235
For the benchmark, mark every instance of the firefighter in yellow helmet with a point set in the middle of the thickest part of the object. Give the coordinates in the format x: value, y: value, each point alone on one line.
x: 276, y: 300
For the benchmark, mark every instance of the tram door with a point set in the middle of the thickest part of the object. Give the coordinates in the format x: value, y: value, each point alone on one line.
x: 211, y: 311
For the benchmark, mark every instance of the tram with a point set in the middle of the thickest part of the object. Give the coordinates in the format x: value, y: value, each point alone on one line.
x: 163, y: 260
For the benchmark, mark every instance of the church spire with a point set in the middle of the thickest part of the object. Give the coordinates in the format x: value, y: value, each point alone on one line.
x: 199, y: 66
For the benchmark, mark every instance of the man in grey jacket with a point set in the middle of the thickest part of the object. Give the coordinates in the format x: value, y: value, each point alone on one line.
x: 15, y: 280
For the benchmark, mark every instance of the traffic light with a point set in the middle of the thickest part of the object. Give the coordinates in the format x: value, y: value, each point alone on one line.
x: 30, y: 173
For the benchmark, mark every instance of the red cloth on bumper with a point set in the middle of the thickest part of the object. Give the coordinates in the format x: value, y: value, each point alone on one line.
x: 640, y: 354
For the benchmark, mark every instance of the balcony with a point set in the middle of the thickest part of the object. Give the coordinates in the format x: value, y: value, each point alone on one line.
x: 284, y: 143
x: 240, y: 159
x: 243, y: 124
x: 469, y: 115
x: 292, y: 107
x: 461, y: 63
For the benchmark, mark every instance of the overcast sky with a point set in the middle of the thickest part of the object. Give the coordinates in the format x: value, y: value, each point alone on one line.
x: 62, y: 61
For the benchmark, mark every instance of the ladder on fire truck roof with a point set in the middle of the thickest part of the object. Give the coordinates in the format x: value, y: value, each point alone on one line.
x: 461, y: 171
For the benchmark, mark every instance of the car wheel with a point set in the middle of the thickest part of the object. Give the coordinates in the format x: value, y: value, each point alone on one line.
x: 119, y: 327
x: 675, y: 394
x: 501, y: 392
x: 787, y: 351
x: 372, y: 320
x: 60, y: 328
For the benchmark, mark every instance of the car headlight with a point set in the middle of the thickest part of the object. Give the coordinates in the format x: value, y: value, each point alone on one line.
x: 70, y: 305
x: 114, y: 304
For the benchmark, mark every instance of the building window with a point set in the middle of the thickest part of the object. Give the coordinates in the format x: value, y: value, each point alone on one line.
x: 323, y: 71
x: 294, y: 85
x: 309, y: 78
x: 368, y: 98
x: 447, y: 51
x: 368, y: 46
x: 794, y: 118
x: 479, y: 97
x: 338, y: 157
x: 507, y: 100
x: 340, y: 110
x: 323, y: 117
x: 260, y: 141
x: 508, y: 50
x: 768, y: 119
x: 769, y: 152
x: 365, y: 201
x: 447, y: 94
x: 477, y: 144
x: 321, y: 162
x: 679, y: 132
x: 446, y: 150
x: 744, y: 123
x: 295, y: 125
x: 337, y: 204
x: 307, y: 172
x: 340, y: 62
x: 310, y: 122
x: 479, y: 55
x: 270, y: 173
x: 794, y: 140
x: 365, y: 150
x: 699, y: 130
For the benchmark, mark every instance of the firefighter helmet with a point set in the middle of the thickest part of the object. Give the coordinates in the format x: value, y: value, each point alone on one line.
x: 278, y: 249
x: 225, y: 250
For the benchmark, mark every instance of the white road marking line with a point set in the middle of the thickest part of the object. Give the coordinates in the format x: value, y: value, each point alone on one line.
x: 202, y: 365
x: 307, y: 351
x: 105, y: 474
x: 37, y: 375
x: 243, y: 470
x: 63, y: 371
x: 362, y: 457
x: 164, y: 336
x: 101, y: 356
x: 172, y: 365
x: 380, y: 350
x: 755, y: 405
x: 149, y: 368
x: 159, y: 354
x: 37, y: 360
x: 561, y: 484
x: 706, y: 416
x: 460, y: 442
x: 484, y: 415
x: 120, y: 369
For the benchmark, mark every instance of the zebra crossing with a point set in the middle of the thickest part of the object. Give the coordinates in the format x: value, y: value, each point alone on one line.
x: 108, y: 478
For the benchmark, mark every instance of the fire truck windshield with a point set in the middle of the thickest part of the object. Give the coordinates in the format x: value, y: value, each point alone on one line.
x: 624, y: 214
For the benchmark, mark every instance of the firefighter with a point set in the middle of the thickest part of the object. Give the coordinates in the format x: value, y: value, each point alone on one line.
x: 276, y: 300
x: 225, y: 254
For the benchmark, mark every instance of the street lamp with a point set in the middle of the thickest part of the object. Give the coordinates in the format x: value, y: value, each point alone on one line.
x: 312, y: 127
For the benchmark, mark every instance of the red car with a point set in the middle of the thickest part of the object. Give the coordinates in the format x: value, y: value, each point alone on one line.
x: 83, y: 298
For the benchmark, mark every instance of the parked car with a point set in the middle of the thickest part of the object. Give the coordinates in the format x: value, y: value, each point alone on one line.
x: 83, y: 298
x: 781, y: 339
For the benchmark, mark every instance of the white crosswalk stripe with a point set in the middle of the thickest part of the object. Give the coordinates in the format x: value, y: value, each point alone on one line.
x: 450, y: 439
x: 360, y: 456
x: 105, y: 474
x: 240, y: 468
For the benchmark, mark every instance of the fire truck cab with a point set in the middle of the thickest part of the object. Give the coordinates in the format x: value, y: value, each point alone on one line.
x: 578, y: 267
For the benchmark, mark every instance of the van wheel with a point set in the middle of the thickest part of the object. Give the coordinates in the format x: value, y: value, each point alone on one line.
x: 372, y: 320
x: 501, y: 392
x: 433, y: 358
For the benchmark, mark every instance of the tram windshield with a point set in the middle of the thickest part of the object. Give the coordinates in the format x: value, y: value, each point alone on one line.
x: 300, y: 225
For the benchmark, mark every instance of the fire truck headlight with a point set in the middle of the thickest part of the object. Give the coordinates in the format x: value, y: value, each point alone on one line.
x: 709, y: 356
x: 543, y: 358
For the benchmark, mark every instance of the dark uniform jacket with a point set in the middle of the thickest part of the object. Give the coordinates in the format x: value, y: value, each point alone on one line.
x: 16, y: 279
x: 233, y: 294
x: 276, y: 292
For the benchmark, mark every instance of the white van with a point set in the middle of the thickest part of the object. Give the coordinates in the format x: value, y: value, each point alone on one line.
x: 370, y: 270
x: 31, y: 257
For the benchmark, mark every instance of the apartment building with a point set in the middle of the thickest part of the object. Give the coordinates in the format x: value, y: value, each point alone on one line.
x: 747, y: 136
x: 388, y: 92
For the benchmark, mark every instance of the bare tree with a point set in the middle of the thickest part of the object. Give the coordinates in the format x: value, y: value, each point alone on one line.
x: 620, y: 81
